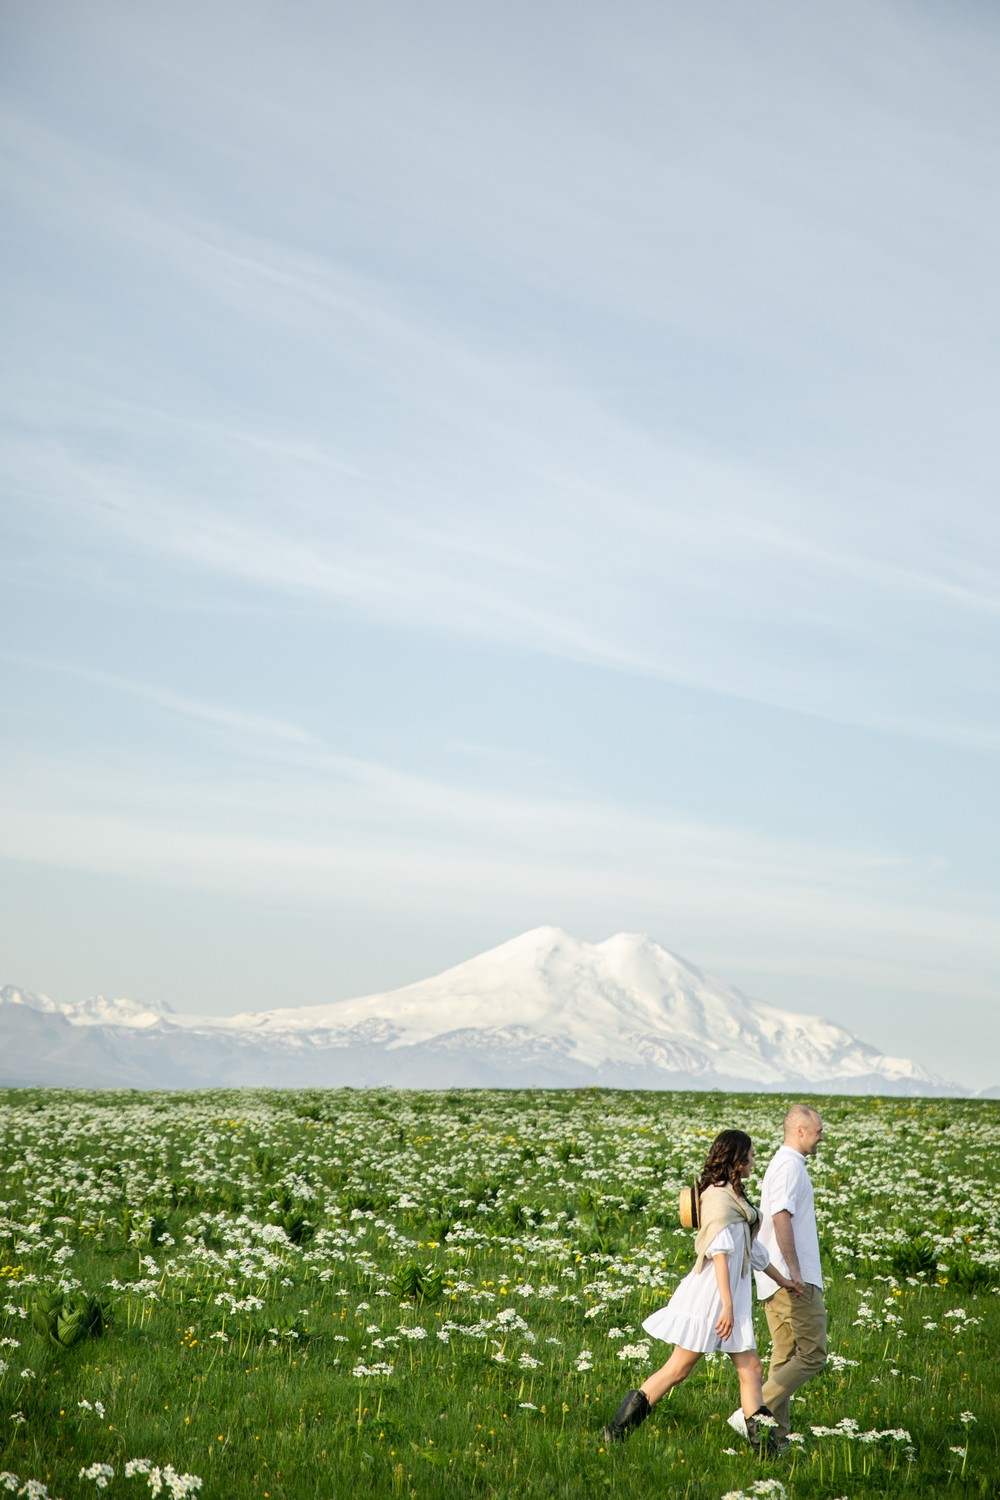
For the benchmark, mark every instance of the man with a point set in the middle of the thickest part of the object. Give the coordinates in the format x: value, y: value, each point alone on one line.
x: 797, y: 1319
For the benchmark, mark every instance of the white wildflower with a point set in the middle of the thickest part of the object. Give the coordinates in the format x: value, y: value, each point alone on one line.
x: 101, y: 1474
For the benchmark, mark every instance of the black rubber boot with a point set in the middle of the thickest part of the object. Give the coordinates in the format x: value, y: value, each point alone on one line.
x: 760, y: 1434
x: 633, y: 1411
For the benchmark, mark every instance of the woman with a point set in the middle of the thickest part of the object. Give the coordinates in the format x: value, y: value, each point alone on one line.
x: 711, y: 1309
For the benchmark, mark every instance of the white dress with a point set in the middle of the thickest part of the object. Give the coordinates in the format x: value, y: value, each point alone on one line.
x: 690, y: 1316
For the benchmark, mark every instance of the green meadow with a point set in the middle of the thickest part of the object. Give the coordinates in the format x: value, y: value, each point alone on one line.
x: 254, y: 1295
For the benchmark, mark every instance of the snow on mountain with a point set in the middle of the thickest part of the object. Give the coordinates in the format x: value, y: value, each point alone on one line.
x: 11, y: 995
x: 626, y: 1001
x: 97, y: 1011
x: 544, y: 1009
x: 100, y: 1012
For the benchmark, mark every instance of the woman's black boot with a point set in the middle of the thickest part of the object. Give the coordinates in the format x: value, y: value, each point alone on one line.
x: 633, y: 1410
x: 760, y: 1431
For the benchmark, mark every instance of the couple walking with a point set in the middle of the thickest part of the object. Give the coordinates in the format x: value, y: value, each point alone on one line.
x: 711, y: 1309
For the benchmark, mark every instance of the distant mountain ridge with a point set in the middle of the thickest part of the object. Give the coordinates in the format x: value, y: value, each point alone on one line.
x: 542, y: 1010
x: 93, y: 1012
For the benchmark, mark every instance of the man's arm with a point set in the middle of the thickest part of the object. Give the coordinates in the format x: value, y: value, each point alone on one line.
x: 784, y: 1233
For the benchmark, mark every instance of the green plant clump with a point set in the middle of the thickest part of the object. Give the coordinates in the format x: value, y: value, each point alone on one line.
x: 67, y: 1320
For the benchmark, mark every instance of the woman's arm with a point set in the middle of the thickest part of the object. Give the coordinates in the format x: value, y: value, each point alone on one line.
x: 724, y: 1322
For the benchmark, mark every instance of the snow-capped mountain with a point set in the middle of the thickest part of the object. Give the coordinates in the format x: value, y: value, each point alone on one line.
x: 541, y: 1010
x: 97, y: 1011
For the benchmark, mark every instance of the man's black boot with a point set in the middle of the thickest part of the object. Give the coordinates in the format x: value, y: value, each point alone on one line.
x: 760, y: 1431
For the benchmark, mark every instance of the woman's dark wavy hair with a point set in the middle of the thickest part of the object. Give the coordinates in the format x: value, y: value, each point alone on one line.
x: 727, y: 1154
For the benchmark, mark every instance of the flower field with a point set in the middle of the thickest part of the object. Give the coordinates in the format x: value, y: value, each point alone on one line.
x: 378, y: 1293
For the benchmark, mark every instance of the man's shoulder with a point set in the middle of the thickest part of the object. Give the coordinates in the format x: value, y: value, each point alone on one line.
x: 786, y: 1156
x: 786, y: 1163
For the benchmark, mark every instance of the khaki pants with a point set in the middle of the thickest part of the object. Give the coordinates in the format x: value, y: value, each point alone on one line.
x: 798, y: 1348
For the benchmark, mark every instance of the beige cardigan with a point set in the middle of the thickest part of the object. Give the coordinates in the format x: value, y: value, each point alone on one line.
x: 720, y: 1207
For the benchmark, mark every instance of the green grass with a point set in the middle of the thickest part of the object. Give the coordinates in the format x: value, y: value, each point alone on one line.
x: 487, y: 1258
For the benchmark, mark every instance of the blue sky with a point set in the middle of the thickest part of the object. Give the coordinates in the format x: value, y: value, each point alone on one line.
x: 467, y: 469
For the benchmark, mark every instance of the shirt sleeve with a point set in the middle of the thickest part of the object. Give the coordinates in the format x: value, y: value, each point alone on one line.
x: 759, y: 1256
x: 724, y: 1243
x: 782, y: 1195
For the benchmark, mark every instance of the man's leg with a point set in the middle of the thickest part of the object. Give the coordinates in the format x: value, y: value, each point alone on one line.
x: 778, y: 1308
x: 798, y: 1348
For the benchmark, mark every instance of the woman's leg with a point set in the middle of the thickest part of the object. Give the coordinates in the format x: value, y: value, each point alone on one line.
x: 748, y: 1368
x: 677, y: 1368
x: 636, y: 1407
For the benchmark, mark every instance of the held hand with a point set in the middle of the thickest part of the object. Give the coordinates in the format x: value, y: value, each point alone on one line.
x: 724, y: 1323
x: 796, y: 1286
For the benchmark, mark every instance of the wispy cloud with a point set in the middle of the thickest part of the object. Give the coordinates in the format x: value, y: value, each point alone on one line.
x: 216, y: 716
x: 362, y: 820
x: 656, y: 595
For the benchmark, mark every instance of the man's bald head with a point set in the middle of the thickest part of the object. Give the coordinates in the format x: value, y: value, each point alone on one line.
x: 803, y: 1129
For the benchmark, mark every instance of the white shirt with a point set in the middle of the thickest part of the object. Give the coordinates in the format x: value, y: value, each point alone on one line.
x: 787, y: 1185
